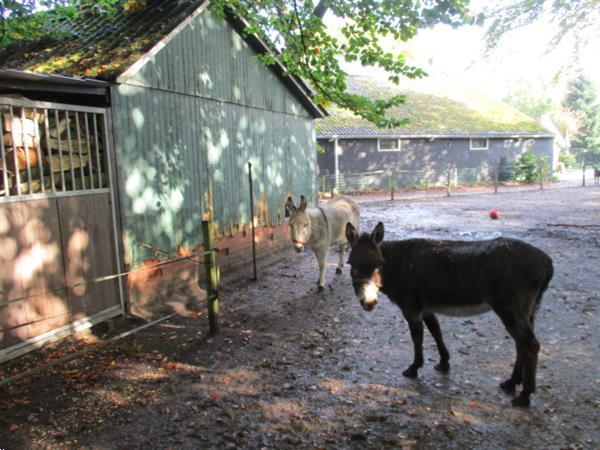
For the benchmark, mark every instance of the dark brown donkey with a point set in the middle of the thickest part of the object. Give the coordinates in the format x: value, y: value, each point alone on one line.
x: 457, y: 278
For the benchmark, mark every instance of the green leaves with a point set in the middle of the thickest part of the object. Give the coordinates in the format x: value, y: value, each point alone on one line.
x: 581, y: 99
x: 578, y: 16
x: 310, y: 51
x: 294, y: 29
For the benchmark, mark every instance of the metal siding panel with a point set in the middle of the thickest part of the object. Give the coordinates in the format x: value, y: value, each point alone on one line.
x: 279, y: 147
x: 238, y: 78
x: 170, y: 152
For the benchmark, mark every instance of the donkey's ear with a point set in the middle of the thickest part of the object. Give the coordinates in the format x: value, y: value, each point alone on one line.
x: 351, y: 234
x: 303, y: 203
x: 377, y: 234
x: 289, y: 204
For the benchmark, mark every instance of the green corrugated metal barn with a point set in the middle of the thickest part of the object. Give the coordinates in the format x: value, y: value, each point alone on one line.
x: 188, y: 106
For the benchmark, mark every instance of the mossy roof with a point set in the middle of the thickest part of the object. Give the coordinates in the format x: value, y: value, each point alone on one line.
x: 434, y: 109
x: 99, y: 45
x: 103, y: 46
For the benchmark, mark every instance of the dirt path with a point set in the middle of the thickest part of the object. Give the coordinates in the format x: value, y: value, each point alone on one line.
x: 293, y: 368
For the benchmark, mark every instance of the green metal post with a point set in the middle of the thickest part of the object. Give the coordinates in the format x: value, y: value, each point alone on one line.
x: 496, y: 176
x: 250, y: 183
x: 212, y: 277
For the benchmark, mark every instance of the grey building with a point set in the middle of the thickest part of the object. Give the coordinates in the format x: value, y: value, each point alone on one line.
x: 444, y: 133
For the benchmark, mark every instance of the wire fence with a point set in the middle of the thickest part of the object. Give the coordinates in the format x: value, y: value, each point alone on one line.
x: 456, y: 180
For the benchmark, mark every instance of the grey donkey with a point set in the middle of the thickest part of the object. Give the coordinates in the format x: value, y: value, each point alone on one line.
x: 320, y: 228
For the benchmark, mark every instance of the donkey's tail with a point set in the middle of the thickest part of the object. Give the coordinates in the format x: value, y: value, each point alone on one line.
x: 549, y: 273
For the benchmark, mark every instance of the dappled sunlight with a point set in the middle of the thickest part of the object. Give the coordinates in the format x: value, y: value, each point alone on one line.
x: 239, y: 381
x: 8, y: 248
x: 137, y: 117
x: 283, y: 410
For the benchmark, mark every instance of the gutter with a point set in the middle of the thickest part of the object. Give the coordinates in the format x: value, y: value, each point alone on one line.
x: 433, y: 136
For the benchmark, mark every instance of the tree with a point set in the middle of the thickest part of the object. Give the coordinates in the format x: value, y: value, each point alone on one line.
x: 530, y: 102
x: 296, y: 30
x: 581, y: 100
x: 578, y: 17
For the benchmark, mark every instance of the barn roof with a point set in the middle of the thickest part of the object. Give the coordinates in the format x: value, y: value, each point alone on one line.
x: 104, y: 45
x: 434, y: 109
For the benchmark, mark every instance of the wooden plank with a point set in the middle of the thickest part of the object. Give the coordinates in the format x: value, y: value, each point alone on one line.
x: 105, y: 294
x: 32, y: 280
x: 89, y: 252
x: 74, y: 243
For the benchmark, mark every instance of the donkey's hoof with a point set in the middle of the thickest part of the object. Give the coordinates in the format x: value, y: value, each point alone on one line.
x: 321, y: 288
x: 508, y: 386
x: 521, y: 401
x: 442, y: 366
x: 338, y: 271
x: 411, y: 372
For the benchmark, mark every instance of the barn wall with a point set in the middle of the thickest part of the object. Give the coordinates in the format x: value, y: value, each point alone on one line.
x: 209, y: 59
x: 361, y: 155
x: 198, y: 112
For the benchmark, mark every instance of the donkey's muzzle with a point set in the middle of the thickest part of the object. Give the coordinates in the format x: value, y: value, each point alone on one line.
x: 368, y: 305
x: 366, y: 291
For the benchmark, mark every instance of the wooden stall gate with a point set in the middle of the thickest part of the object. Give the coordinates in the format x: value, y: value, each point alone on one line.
x: 57, y: 223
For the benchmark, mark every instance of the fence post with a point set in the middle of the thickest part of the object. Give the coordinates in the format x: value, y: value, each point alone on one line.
x: 212, y: 276
x: 252, y: 219
x: 448, y: 183
x: 542, y: 176
x: 391, y: 184
x: 456, y: 177
x: 496, y: 176
x: 583, y: 177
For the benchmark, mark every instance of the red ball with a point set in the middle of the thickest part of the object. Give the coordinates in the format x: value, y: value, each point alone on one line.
x: 494, y: 213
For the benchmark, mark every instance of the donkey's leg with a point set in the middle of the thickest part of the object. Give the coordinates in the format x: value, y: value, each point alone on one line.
x: 322, y: 260
x: 415, y: 324
x: 528, y: 348
x: 340, y: 266
x: 517, y: 375
x: 434, y: 328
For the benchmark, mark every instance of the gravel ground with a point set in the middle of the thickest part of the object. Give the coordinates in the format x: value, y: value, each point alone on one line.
x: 294, y: 368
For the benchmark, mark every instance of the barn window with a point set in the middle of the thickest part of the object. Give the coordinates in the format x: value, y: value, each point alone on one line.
x: 479, y: 144
x: 388, y: 145
x: 50, y: 148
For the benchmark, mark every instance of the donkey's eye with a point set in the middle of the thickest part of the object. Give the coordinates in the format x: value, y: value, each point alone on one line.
x: 305, y: 225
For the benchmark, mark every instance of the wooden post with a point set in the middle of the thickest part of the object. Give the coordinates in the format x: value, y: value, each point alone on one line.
x: 542, y: 176
x: 212, y: 276
x: 392, y: 185
x: 583, y: 179
x: 448, y: 183
x: 254, y: 277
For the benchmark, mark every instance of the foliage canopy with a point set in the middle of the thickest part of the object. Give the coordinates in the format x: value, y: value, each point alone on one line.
x: 296, y: 31
x: 582, y: 100
x: 580, y: 18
